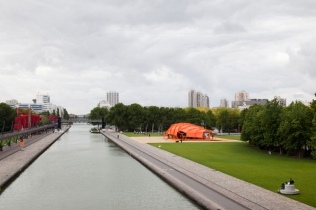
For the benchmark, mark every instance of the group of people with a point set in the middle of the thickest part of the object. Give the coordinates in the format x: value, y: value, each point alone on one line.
x: 291, y: 182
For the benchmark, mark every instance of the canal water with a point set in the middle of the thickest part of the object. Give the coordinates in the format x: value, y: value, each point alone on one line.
x: 84, y: 171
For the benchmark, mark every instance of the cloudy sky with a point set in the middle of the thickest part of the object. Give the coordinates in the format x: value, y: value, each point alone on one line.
x: 154, y: 51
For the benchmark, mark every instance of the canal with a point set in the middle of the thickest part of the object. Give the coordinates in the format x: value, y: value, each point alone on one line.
x: 87, y: 171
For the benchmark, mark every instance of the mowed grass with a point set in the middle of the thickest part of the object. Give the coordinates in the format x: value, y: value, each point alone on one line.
x: 231, y: 137
x: 250, y: 164
x: 132, y: 134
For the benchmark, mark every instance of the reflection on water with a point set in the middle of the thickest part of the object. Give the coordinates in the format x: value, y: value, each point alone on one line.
x: 86, y: 171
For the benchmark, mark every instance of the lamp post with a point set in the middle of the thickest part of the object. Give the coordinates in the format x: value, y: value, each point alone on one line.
x: 202, y: 123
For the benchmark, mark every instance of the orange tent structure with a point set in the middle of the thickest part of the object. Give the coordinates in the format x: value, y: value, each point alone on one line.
x: 187, y: 131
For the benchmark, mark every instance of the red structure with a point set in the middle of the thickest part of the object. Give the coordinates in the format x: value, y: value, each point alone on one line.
x: 53, y: 119
x: 187, y: 131
x: 25, y: 121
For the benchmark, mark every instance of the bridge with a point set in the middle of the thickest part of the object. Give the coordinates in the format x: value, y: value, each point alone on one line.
x: 80, y: 120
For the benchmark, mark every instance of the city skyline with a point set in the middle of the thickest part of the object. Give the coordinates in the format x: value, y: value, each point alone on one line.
x: 154, y: 52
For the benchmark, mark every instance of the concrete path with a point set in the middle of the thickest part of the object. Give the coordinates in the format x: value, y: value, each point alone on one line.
x: 195, y: 175
x: 13, y: 160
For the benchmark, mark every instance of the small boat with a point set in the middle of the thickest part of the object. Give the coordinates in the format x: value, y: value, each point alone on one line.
x: 94, y: 130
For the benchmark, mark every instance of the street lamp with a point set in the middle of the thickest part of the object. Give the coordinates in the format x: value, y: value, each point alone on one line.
x: 202, y: 123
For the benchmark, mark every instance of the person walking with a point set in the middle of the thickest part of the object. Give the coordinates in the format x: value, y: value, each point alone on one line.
x: 22, y: 143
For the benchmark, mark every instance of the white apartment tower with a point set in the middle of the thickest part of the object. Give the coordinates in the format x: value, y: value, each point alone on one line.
x: 112, y: 97
x: 198, y: 99
x: 192, y: 98
x: 45, y: 100
x: 206, y: 101
x: 242, y: 96
x: 223, y: 103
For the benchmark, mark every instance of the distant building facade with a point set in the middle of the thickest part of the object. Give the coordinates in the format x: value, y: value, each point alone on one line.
x: 112, y: 97
x: 39, y: 105
x: 247, y: 104
x: 198, y: 99
x: 242, y: 96
x: 223, y: 103
x: 12, y: 102
x: 105, y: 104
x: 242, y: 100
x: 282, y: 101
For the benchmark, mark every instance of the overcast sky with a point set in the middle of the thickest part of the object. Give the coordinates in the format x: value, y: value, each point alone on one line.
x: 155, y: 52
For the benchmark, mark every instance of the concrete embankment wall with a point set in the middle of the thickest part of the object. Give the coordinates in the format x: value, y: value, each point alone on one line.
x: 14, y: 164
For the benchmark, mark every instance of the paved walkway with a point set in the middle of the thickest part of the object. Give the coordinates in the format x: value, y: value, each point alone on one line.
x: 249, y: 195
x: 13, y: 160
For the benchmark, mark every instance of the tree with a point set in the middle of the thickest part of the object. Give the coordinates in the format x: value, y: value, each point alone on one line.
x: 118, y: 116
x: 313, y: 138
x: 251, y: 129
x: 152, y: 117
x: 296, y: 127
x: 242, y: 118
x: 44, y: 120
x: 136, y: 117
x: 66, y: 115
x: 97, y: 113
x: 46, y: 113
x: 7, y: 115
x: 195, y: 116
x: 270, y: 122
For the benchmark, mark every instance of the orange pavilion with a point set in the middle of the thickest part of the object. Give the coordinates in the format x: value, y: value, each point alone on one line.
x: 187, y: 131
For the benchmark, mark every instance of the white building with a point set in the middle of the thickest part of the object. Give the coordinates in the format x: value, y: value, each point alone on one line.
x: 45, y: 101
x: 198, y: 99
x: 105, y: 104
x: 223, y: 103
x: 12, y: 101
x: 112, y: 97
x: 242, y: 96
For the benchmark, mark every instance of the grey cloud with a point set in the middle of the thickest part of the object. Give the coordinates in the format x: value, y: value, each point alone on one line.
x: 218, y: 47
x: 229, y: 28
x: 303, y: 59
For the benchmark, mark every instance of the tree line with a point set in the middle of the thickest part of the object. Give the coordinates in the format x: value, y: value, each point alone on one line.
x: 286, y: 130
x: 135, y: 117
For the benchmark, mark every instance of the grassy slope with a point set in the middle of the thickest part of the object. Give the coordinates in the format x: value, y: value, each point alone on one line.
x: 242, y: 161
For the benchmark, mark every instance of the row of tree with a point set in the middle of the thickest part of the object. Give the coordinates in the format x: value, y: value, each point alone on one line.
x: 290, y: 129
x: 271, y: 126
x: 135, y: 117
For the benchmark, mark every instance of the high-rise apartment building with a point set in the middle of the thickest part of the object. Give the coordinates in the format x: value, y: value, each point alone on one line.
x: 206, y: 101
x: 45, y: 101
x: 198, y: 99
x: 192, y: 98
x: 112, y: 97
x: 242, y: 96
x: 223, y: 103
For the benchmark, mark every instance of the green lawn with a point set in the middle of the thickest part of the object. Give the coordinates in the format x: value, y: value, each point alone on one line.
x: 232, y: 137
x: 250, y: 164
x: 132, y: 134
